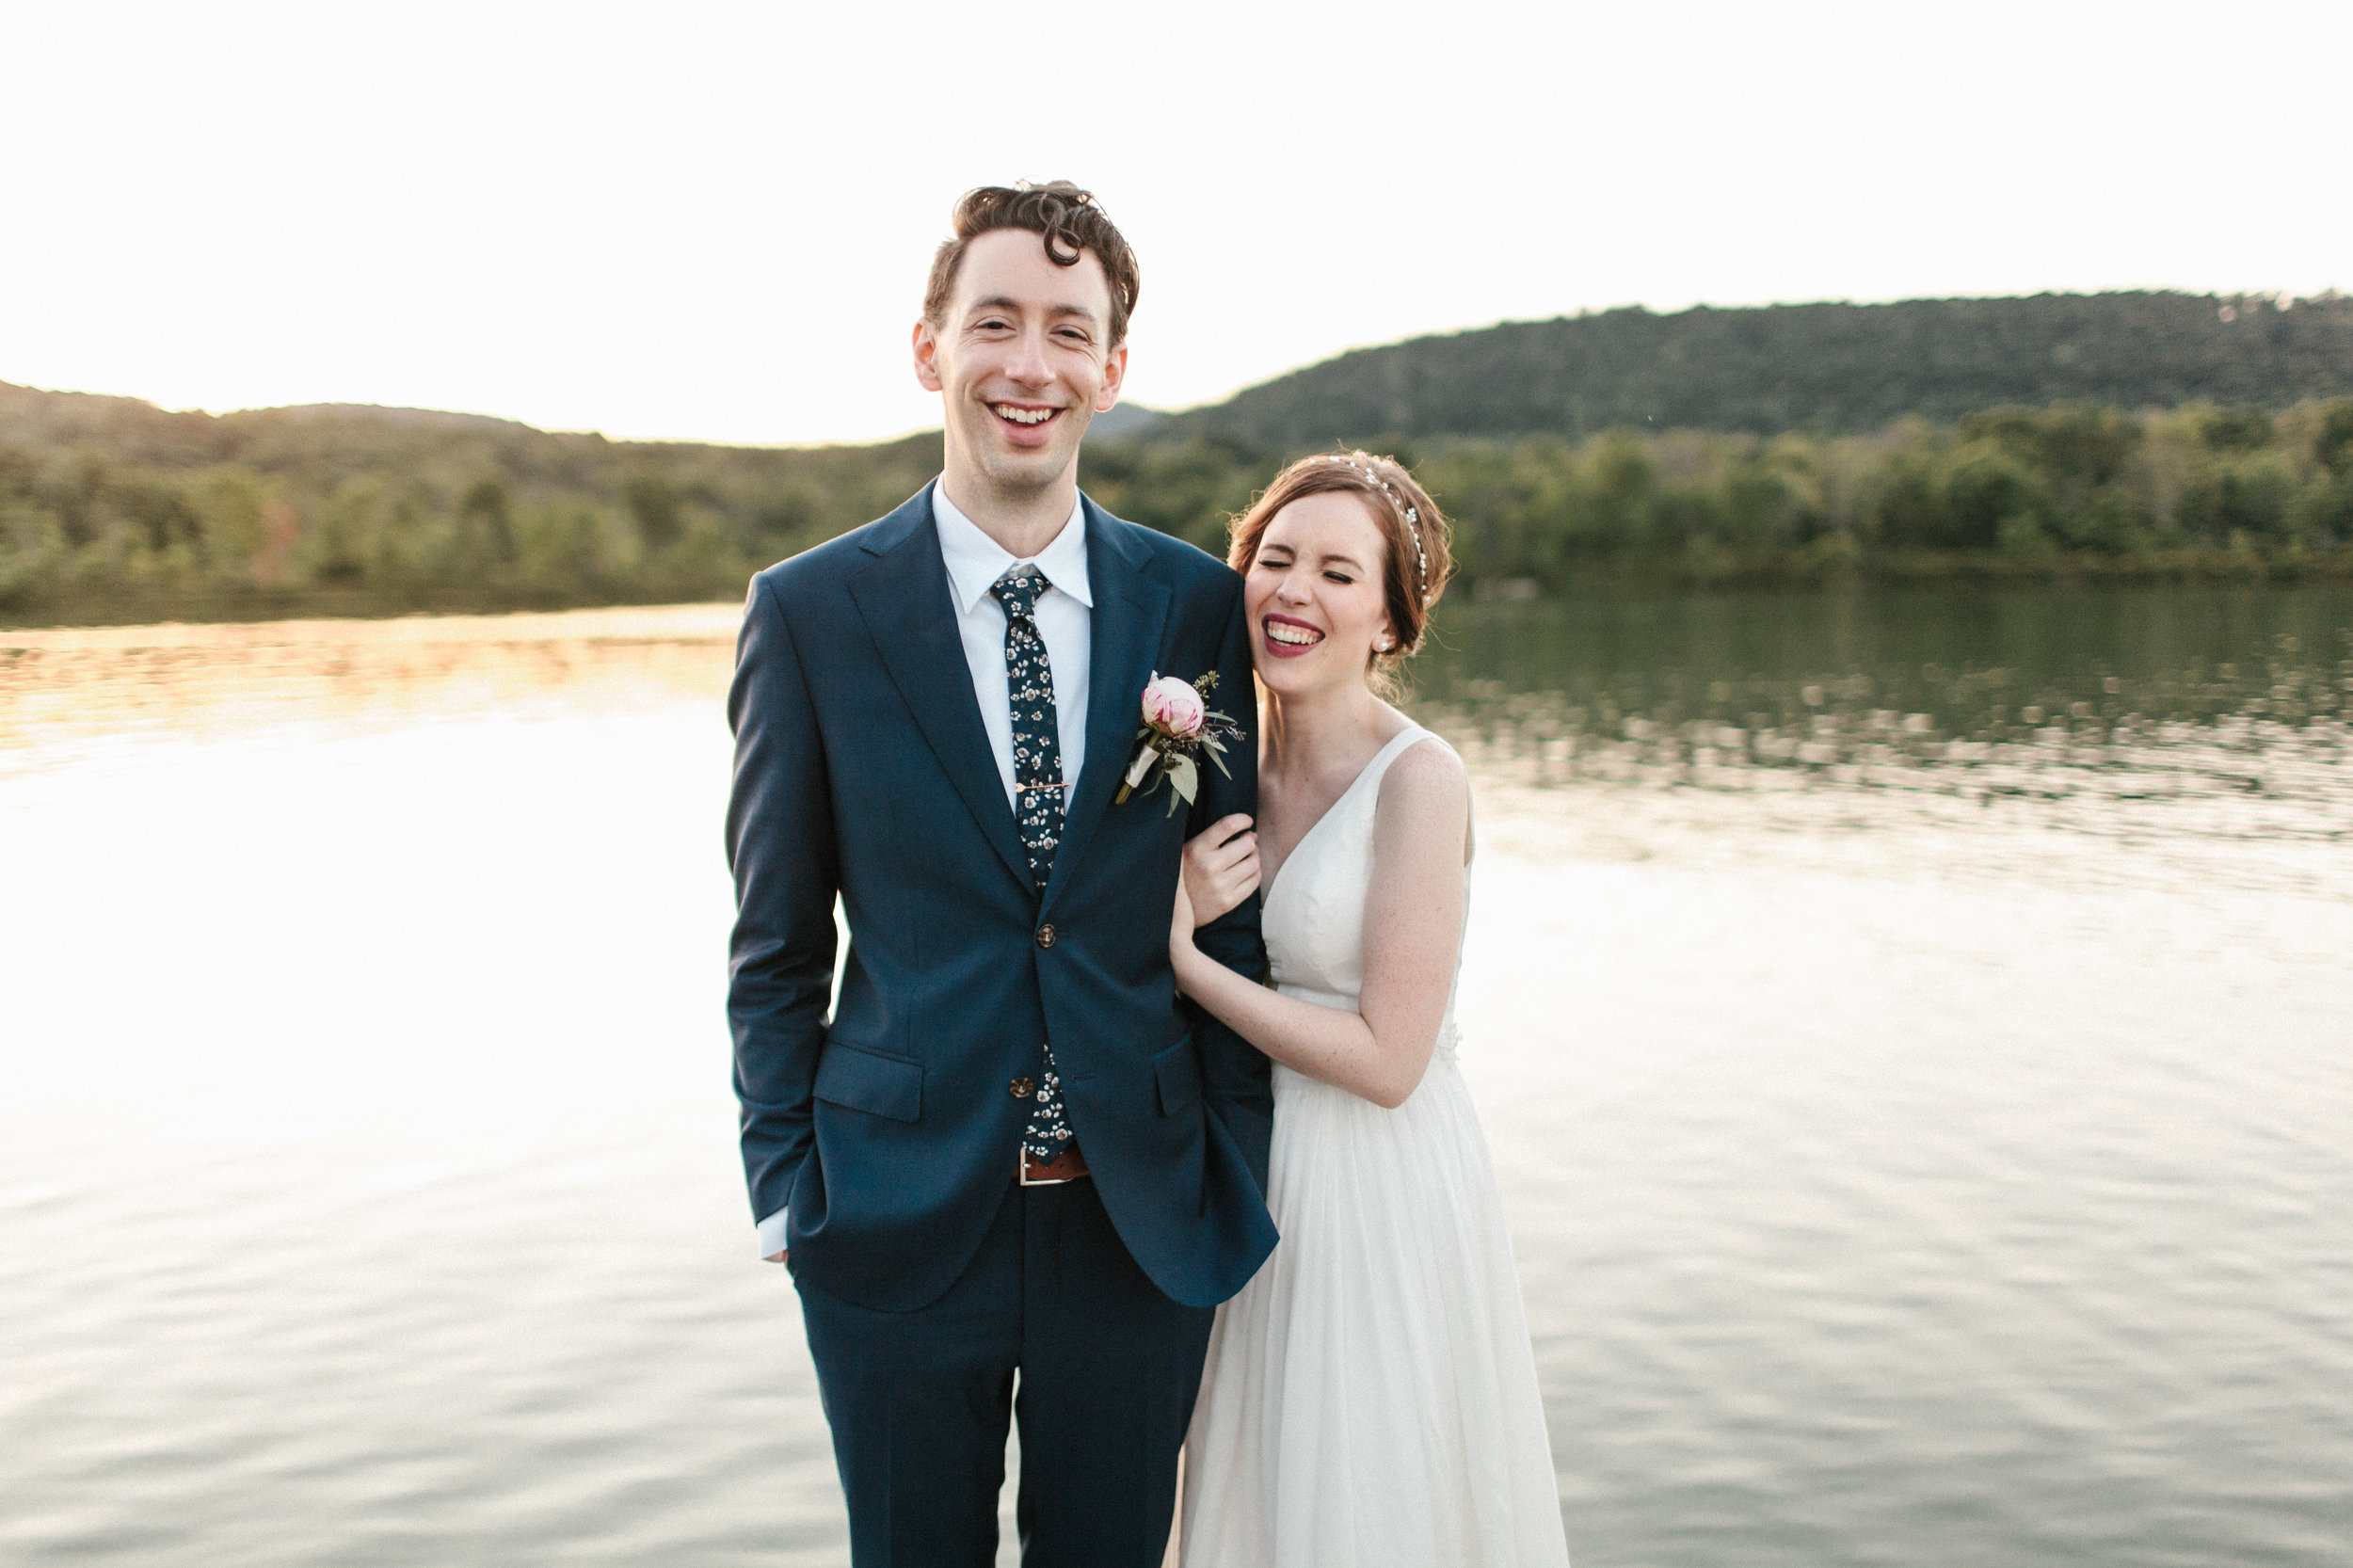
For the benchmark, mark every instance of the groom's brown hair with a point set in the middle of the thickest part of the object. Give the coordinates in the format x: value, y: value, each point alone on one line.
x: 1071, y: 222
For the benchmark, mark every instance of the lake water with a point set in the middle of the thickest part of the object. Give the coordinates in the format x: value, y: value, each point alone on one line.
x: 1915, y: 1033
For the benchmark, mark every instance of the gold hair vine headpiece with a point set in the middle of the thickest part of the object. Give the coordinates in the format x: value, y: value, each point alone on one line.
x: 1412, y: 519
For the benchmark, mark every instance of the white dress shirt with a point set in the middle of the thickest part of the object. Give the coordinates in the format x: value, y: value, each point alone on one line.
x: 1066, y: 620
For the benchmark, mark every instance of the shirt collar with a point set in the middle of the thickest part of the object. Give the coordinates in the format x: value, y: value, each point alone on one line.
x: 976, y: 561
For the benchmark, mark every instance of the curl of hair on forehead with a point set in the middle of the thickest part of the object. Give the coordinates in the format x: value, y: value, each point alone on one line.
x: 1070, y: 221
x: 1417, y: 560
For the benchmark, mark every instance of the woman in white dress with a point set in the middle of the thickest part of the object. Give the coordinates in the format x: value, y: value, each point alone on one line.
x: 1370, y: 1396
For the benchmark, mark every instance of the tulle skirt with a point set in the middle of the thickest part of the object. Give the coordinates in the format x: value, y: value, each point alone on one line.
x: 1370, y: 1398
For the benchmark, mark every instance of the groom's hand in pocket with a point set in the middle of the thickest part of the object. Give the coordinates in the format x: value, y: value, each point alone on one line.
x: 1220, y: 866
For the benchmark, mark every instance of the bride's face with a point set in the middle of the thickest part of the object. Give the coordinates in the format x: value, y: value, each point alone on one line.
x: 1314, y: 595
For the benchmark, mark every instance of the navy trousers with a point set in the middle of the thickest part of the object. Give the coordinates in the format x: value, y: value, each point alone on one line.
x: 918, y: 1401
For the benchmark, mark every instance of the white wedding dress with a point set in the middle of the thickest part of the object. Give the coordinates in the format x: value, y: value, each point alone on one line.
x: 1370, y: 1398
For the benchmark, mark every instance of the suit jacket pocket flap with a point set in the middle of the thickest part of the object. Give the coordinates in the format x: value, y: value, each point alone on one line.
x: 1177, y: 1070
x: 870, y: 1081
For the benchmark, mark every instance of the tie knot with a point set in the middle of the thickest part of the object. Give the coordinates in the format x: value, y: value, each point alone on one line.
x: 1018, y: 589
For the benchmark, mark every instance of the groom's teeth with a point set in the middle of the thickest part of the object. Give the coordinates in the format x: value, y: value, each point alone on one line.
x: 1023, y: 416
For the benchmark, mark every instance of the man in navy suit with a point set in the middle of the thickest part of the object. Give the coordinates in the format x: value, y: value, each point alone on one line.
x: 1012, y: 1148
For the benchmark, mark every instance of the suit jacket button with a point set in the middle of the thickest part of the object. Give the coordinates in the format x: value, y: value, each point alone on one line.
x: 1046, y: 935
x: 1022, y: 1088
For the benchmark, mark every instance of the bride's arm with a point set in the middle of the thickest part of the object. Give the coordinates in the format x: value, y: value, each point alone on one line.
x: 1412, y: 931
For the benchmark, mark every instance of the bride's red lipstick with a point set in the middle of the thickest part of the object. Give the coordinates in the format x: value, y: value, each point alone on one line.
x: 1287, y: 651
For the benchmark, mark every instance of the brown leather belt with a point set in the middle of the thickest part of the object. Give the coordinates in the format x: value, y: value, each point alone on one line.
x: 1069, y: 1165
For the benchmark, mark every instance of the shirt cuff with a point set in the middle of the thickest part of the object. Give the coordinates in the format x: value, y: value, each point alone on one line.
x: 771, y: 1238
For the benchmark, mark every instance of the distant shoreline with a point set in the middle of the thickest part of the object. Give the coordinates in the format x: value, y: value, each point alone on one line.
x: 297, y: 618
x: 299, y: 608
x: 662, y: 623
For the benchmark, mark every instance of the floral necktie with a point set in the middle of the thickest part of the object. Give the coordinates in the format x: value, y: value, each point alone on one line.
x: 1038, y: 786
x: 1037, y: 780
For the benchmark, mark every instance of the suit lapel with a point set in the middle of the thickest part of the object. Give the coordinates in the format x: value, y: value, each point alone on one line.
x: 1124, y: 633
x: 908, y: 609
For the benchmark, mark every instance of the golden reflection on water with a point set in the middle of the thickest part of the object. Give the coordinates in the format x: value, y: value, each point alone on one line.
x: 2267, y: 766
x: 2249, y: 800
x: 73, y: 694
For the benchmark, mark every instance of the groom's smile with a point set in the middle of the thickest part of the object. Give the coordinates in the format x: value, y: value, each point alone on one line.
x: 1029, y: 424
x: 1022, y: 360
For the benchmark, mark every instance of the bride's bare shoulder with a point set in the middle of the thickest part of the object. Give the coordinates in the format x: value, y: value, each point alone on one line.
x: 1421, y: 825
x: 1426, y: 776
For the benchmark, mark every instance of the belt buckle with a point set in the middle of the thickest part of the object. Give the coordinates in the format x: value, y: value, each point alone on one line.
x: 1026, y: 1163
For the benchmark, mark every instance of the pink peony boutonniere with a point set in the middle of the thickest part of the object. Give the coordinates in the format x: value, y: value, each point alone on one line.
x: 1177, y: 724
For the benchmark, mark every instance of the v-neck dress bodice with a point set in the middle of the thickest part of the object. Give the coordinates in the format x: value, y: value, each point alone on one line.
x: 1370, y: 1399
x: 1314, y: 914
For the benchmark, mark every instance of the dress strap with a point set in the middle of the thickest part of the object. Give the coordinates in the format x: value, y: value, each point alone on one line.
x: 1399, y: 745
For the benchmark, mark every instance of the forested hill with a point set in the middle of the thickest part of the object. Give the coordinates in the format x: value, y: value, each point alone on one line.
x: 1826, y: 369
x: 111, y: 506
x: 2145, y: 434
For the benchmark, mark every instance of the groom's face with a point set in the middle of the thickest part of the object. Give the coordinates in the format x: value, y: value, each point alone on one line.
x: 1021, y: 360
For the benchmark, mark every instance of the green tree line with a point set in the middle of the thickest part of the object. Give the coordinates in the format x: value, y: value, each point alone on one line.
x: 2074, y: 489
x: 1826, y: 369
x: 113, y: 510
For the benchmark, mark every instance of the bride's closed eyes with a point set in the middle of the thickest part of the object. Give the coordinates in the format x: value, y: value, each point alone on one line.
x: 1276, y: 560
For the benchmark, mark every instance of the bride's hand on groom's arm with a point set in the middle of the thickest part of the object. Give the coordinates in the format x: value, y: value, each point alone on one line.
x: 1221, y: 867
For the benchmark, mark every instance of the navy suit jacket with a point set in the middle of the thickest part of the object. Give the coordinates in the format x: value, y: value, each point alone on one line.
x: 888, y: 1132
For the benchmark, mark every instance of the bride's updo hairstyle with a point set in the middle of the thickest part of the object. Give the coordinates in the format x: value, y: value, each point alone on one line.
x: 1414, y: 567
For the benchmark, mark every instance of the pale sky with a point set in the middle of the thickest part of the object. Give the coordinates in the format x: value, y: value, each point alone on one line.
x: 711, y: 221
